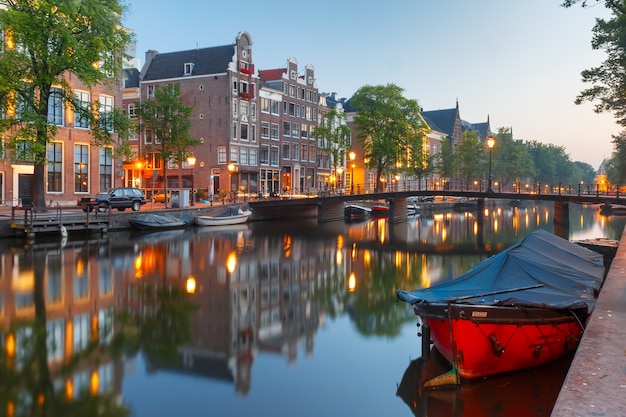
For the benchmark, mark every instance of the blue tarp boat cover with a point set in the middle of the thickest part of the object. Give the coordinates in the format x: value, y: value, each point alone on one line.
x: 562, y: 274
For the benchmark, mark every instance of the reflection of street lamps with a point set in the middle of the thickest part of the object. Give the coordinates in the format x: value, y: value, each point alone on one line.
x: 352, y: 156
x: 192, y: 163
x: 490, y: 144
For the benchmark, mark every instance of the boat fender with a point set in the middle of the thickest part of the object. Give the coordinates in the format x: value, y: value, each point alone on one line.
x: 495, y: 345
x: 63, y: 231
x: 426, y: 341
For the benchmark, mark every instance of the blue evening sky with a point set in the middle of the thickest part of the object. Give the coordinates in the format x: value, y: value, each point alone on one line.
x: 518, y: 62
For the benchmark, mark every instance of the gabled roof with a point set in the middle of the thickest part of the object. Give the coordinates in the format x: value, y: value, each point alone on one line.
x: 272, y: 74
x: 206, y: 61
x: 131, y: 78
x: 443, y: 120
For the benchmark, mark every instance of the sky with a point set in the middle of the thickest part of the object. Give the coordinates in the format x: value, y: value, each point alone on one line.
x: 516, y: 62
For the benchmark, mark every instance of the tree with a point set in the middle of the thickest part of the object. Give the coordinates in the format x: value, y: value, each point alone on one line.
x: 511, y: 160
x: 470, y: 156
x: 167, y: 120
x: 446, y: 159
x: 388, y: 126
x: 616, y: 165
x: 333, y: 136
x: 609, y: 79
x: 45, y: 42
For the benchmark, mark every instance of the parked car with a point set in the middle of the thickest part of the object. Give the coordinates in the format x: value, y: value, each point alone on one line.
x: 160, y: 197
x: 116, y: 198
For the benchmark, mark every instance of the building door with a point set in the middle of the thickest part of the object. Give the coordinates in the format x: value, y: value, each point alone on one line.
x: 25, y: 189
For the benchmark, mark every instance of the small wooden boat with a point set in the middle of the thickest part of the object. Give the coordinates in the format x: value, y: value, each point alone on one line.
x: 158, y: 221
x: 356, y: 212
x: 523, y: 307
x: 607, y: 247
x: 226, y: 217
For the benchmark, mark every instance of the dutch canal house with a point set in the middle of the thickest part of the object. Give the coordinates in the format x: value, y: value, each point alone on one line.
x: 75, y: 167
x: 255, y: 127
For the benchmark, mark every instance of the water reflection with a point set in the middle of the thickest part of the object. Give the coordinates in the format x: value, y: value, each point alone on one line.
x: 207, y: 302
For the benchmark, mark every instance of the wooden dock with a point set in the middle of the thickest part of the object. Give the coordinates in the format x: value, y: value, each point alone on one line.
x: 32, y: 221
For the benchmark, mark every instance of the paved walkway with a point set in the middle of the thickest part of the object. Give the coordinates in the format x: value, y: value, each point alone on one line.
x: 596, y: 382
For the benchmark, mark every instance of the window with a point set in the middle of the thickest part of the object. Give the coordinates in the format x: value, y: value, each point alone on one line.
x: 150, y: 91
x: 253, y: 111
x: 286, y: 150
x: 274, y: 156
x: 234, y: 154
x: 235, y: 89
x: 55, y: 166
x: 81, y: 168
x: 235, y: 108
x: 147, y: 138
x: 83, y: 106
x: 295, y: 151
x: 286, y: 129
x: 265, y: 130
x: 221, y: 154
x: 243, y: 156
x: 305, y: 153
x: 234, y: 131
x: 252, y: 156
x: 275, y: 133
x: 105, y: 112
x: 188, y: 70
x: 275, y: 107
x: 265, y: 105
x: 106, y: 168
x: 312, y: 153
x: 304, y: 131
x: 253, y: 133
x: 295, y: 130
x: 243, y: 132
x: 292, y: 109
x: 244, y: 108
x: 132, y: 111
x: 55, y: 107
x: 265, y: 155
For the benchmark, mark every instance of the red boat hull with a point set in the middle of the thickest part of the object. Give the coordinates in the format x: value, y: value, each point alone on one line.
x: 483, y: 341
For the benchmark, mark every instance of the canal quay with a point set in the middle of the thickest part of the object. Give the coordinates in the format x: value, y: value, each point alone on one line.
x: 293, y: 317
x: 596, y: 382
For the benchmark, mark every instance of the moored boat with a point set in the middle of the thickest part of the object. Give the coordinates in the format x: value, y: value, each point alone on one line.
x: 380, y: 211
x: 521, y: 308
x: 226, y: 217
x: 158, y: 221
x: 356, y: 212
x: 604, y: 246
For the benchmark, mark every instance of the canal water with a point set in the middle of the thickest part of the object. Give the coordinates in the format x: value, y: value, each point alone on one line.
x: 266, y: 319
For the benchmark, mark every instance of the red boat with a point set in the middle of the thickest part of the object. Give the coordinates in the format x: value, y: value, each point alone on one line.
x: 523, y: 307
x: 380, y: 211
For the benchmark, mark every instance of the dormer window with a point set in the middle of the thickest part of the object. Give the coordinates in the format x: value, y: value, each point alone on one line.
x: 188, y: 68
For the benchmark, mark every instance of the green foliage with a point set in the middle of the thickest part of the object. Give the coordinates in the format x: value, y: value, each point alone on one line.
x: 333, y: 136
x: 46, y: 41
x: 470, y: 156
x: 616, y: 165
x: 446, y: 159
x: 168, y: 121
x: 511, y: 159
x: 389, y: 127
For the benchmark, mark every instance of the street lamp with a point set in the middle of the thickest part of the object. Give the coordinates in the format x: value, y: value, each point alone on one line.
x: 191, y: 160
x: 231, y: 169
x: 352, y: 156
x: 339, y: 182
x: 490, y: 144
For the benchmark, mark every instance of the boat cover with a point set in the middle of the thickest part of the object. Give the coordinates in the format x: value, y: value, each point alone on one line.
x: 542, y: 270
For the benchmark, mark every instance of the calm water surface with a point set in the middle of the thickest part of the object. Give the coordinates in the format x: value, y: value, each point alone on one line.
x: 268, y: 319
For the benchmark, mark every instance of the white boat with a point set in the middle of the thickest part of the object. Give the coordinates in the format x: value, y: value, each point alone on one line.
x: 226, y: 217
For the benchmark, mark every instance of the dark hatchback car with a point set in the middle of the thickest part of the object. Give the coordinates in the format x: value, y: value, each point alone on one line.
x: 115, y: 198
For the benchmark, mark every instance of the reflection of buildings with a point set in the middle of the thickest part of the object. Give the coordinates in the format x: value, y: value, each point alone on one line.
x: 78, y: 295
x: 251, y: 296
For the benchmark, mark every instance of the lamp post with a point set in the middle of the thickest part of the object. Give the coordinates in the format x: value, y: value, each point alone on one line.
x: 231, y: 169
x: 191, y: 160
x: 339, y: 182
x: 352, y: 156
x: 490, y: 144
